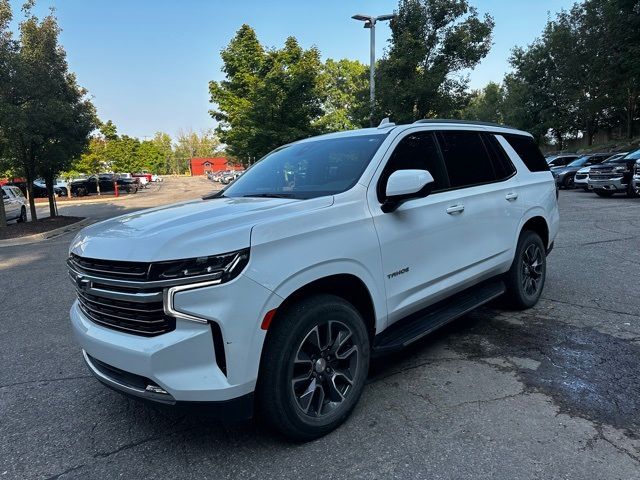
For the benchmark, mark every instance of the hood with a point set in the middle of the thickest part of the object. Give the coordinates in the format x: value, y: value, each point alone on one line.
x: 185, y: 230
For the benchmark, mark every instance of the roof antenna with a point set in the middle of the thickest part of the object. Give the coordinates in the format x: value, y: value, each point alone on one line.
x: 385, y: 123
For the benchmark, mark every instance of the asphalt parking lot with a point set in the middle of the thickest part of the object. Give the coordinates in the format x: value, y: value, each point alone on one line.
x: 552, y: 392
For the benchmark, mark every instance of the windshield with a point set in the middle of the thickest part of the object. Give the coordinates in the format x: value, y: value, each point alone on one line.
x: 633, y: 155
x: 615, y: 159
x: 579, y: 162
x: 309, y: 169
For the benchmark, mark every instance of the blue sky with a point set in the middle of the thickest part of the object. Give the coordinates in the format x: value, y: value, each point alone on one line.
x: 147, y: 63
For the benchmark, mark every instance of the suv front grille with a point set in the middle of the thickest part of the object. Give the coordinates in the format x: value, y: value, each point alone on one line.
x: 131, y: 271
x: 116, y: 295
x: 146, y: 319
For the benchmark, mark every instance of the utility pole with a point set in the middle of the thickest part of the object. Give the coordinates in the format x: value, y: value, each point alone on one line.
x: 370, y: 23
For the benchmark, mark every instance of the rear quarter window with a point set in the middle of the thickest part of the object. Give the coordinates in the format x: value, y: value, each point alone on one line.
x: 528, y: 151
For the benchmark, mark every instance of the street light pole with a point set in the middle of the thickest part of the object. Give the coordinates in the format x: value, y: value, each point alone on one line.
x: 370, y: 23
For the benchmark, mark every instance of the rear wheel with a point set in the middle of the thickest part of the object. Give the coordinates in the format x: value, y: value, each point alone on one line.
x: 568, y: 181
x: 525, y: 279
x: 604, y: 193
x: 313, y: 368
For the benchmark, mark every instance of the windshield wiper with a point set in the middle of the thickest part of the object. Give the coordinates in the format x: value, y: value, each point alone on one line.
x: 270, y: 195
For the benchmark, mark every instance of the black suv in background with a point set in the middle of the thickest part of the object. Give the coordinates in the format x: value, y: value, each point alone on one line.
x: 107, y: 183
x: 565, y: 176
x: 616, y: 177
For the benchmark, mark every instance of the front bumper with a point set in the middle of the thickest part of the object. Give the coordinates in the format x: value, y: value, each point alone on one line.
x: 581, y: 182
x: 240, y: 408
x: 611, y: 184
x: 182, y: 362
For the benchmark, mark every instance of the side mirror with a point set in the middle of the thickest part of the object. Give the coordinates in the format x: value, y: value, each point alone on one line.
x: 403, y: 185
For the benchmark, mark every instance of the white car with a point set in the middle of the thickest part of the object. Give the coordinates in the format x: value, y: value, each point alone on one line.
x: 581, y: 179
x: 59, y: 185
x: 15, y: 205
x: 279, y: 289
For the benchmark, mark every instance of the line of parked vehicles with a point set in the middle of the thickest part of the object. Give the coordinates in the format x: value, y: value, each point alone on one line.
x: 602, y: 173
x: 83, y: 185
x: 224, y: 177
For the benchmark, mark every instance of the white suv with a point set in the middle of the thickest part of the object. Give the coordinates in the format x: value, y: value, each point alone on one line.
x: 276, y: 291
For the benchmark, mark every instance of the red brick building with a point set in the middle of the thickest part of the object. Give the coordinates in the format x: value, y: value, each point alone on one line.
x: 200, y: 166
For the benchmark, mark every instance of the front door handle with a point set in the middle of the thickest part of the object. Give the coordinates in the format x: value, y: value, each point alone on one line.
x: 511, y: 196
x: 455, y: 209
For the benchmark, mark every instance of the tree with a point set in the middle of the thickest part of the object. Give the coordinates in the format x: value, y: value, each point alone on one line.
x: 346, y: 86
x: 164, y: 145
x: 268, y: 97
x: 486, y: 105
x: 242, y: 60
x: 432, y: 43
x: 7, y: 50
x: 45, y: 117
x: 614, y: 62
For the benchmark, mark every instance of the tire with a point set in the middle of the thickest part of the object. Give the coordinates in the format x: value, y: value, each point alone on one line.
x: 303, y: 391
x: 604, y: 193
x: 525, y: 279
x: 568, y: 181
x: 23, y: 215
x: 633, y: 192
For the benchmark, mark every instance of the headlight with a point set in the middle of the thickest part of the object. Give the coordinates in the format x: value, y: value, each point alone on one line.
x: 620, y: 169
x: 226, y: 267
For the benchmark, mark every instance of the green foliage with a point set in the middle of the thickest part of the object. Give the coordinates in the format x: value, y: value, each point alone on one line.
x: 485, y: 105
x: 124, y: 154
x: 432, y: 43
x: 345, y: 84
x: 581, y: 75
x: 45, y: 117
x: 269, y: 97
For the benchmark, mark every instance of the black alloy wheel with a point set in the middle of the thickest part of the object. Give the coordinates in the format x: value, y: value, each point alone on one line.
x: 324, y: 368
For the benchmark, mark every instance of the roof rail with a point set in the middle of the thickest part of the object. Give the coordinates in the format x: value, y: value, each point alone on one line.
x: 466, y: 122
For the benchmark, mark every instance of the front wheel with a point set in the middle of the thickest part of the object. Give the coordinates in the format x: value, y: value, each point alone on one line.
x: 525, y: 279
x: 314, y: 367
x: 23, y: 215
x: 568, y: 181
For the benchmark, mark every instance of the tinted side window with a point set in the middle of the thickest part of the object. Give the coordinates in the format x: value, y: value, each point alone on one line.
x: 415, y: 151
x: 466, y: 158
x: 501, y: 162
x: 528, y: 151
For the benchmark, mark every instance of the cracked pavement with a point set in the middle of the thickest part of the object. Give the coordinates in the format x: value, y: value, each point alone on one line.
x: 549, y: 393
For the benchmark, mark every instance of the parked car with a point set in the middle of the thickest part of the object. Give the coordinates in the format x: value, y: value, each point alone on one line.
x: 39, y: 189
x: 560, y: 160
x: 143, y: 179
x: 279, y: 289
x: 15, y: 205
x: 581, y: 178
x: 106, y: 182
x: 616, y: 177
x: 565, y: 176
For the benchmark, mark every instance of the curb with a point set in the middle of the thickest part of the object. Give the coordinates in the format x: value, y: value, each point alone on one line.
x: 40, y: 237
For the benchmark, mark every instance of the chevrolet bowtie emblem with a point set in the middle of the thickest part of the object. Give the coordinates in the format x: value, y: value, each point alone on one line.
x: 81, y: 282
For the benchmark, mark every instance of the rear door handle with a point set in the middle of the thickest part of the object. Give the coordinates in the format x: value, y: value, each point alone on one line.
x: 455, y: 209
x: 511, y: 196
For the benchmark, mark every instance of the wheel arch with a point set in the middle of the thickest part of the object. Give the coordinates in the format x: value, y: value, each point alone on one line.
x: 348, y: 286
x: 537, y: 223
